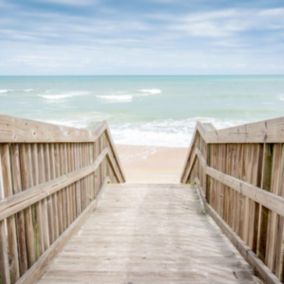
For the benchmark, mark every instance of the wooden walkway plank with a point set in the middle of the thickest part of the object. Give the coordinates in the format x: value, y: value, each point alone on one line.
x: 149, y: 234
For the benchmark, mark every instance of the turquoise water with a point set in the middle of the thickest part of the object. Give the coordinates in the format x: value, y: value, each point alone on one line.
x: 148, y: 110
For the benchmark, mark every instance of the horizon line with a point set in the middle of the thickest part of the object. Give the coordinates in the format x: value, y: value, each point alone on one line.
x: 135, y: 75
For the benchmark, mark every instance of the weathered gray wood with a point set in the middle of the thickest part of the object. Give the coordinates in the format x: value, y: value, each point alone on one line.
x: 36, y: 271
x: 6, y: 184
x: 14, y: 130
x: 247, y: 160
x: 148, y: 234
x: 265, y: 198
x: 267, y: 131
x: 257, y: 194
x: 43, y: 168
x: 20, y: 201
x: 244, y: 250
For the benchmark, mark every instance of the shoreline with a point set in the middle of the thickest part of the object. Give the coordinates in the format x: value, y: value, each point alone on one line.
x: 151, y: 164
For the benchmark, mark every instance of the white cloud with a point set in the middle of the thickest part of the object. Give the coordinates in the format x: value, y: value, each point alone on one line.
x: 272, y: 12
x: 70, y: 2
x: 228, y: 23
x: 66, y: 43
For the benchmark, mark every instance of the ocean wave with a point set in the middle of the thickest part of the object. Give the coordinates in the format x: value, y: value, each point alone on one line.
x: 167, y: 133
x: 116, y: 98
x: 28, y: 90
x: 86, y: 120
x: 150, y: 92
x: 63, y: 96
x: 157, y: 133
x: 4, y: 91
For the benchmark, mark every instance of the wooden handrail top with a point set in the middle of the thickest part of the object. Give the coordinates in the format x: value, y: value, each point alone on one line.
x: 16, y: 130
x: 266, y: 131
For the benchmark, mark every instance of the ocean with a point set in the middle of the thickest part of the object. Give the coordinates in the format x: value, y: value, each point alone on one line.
x: 144, y: 110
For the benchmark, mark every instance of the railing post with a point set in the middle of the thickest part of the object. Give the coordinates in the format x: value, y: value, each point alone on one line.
x: 209, y: 127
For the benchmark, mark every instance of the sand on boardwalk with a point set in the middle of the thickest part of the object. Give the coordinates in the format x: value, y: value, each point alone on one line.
x: 151, y: 164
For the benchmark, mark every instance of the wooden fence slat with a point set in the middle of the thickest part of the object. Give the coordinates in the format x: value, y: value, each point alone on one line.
x: 20, y: 226
x: 6, y: 180
x: 243, y: 182
x: 4, y: 255
x: 25, y: 160
x: 32, y: 195
x: 48, y: 179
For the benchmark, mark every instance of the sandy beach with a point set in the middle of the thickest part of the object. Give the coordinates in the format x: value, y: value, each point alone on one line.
x: 151, y: 164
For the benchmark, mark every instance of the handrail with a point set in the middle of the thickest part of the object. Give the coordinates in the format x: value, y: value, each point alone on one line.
x: 17, y: 130
x: 50, y: 177
x: 20, y: 201
x: 240, y: 172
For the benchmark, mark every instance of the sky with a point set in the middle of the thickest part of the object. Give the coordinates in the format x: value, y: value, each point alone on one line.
x: 99, y: 37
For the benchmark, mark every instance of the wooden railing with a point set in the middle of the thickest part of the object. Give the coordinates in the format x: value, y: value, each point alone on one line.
x: 239, y: 172
x: 50, y: 177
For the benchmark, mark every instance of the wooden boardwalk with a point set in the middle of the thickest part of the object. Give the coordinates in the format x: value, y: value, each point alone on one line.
x: 148, y: 234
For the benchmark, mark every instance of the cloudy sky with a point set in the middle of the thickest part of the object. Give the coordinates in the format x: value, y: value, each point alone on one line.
x: 52, y: 37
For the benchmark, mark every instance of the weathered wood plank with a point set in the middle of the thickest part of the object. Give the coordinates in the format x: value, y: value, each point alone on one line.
x: 6, y: 185
x: 265, y: 198
x: 26, y: 173
x: 244, y: 250
x: 25, y: 199
x: 21, y: 229
x: 13, y: 130
x: 164, y: 240
x: 36, y: 271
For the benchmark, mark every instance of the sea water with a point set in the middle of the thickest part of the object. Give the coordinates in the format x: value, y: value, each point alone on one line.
x: 144, y: 110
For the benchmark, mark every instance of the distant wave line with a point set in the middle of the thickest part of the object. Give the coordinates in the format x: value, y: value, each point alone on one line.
x: 64, y: 95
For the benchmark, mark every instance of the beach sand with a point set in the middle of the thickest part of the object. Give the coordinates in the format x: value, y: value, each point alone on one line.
x: 151, y: 164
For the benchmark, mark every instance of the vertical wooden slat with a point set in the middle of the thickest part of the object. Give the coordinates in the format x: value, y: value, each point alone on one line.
x: 67, y: 190
x: 78, y: 183
x: 63, y: 191
x: 4, y: 252
x: 279, y: 241
x: 44, y: 206
x: 96, y: 153
x: 50, y: 209
x: 239, y: 170
x: 37, y: 209
x: 263, y: 212
x: 20, y: 217
x: 26, y: 171
x: 58, y: 194
x: 4, y: 257
x: 6, y: 185
x: 272, y: 217
x: 72, y: 168
x: 54, y: 196
x: 253, y: 178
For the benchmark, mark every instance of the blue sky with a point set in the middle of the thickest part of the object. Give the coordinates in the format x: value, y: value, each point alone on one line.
x: 51, y: 37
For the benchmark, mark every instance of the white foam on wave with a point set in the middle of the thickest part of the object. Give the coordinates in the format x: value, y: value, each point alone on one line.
x: 28, y: 90
x: 281, y: 97
x: 85, y: 120
x: 150, y: 92
x: 158, y: 133
x: 116, y: 98
x: 3, y: 91
x: 63, y: 96
x: 167, y: 133
x: 126, y: 97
